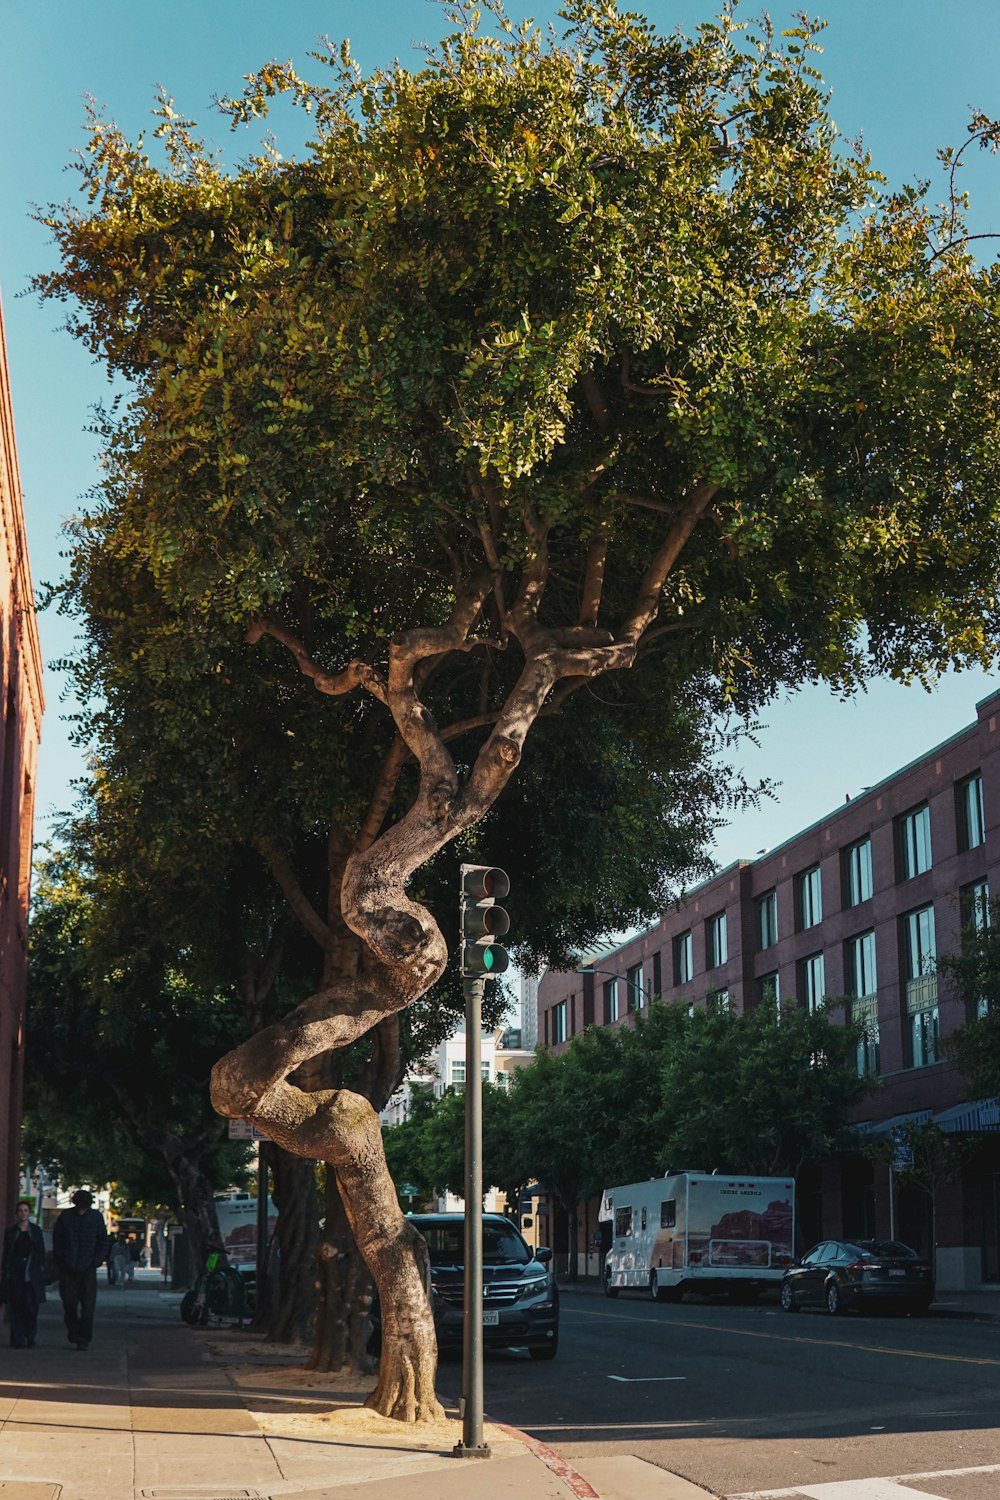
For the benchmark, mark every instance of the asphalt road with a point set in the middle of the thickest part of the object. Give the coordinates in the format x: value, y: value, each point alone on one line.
x: 749, y: 1398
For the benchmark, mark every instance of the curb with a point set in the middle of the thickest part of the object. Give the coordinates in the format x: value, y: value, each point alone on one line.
x: 580, y: 1487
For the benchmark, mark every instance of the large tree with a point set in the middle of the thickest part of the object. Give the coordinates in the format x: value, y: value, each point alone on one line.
x: 597, y: 371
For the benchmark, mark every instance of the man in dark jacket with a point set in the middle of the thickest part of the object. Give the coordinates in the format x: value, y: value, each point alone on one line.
x: 22, y: 1279
x: 79, y: 1244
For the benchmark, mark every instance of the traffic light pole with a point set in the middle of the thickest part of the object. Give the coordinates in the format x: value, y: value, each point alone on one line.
x: 472, y: 1444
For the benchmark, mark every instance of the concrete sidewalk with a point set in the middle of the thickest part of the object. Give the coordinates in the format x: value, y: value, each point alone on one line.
x: 157, y: 1411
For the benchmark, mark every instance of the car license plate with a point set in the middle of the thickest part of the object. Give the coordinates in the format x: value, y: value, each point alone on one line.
x: 897, y: 1273
x: 491, y: 1319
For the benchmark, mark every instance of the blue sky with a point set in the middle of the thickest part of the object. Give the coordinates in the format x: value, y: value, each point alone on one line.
x: 904, y: 73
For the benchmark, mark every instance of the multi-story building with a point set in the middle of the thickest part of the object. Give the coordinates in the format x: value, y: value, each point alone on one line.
x: 21, y: 706
x: 857, y: 906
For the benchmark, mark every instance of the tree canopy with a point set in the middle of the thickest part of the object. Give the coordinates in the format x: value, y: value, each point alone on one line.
x: 582, y: 380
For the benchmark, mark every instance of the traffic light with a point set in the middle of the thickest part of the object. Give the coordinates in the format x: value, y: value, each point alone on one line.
x: 483, y: 921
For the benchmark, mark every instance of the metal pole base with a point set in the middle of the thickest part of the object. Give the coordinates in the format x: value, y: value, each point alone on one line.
x: 461, y: 1451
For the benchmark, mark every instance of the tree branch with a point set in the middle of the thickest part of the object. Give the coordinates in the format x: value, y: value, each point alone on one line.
x: 593, y: 581
x: 297, y: 899
x: 355, y: 674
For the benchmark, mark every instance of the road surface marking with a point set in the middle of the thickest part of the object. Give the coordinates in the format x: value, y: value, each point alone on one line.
x: 581, y: 1487
x: 784, y: 1338
x: 865, y: 1489
x: 644, y: 1379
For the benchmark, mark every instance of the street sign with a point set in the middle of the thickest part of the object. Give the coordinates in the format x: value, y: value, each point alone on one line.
x: 242, y: 1130
x: 903, y: 1154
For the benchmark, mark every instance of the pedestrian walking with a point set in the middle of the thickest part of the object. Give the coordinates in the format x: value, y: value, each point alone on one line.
x: 79, y: 1244
x: 118, y: 1261
x: 22, y: 1276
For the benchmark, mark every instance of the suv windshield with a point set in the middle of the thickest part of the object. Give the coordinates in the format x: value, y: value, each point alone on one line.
x: 502, y: 1245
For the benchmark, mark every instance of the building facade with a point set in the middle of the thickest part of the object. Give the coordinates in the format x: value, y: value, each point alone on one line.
x: 857, y: 906
x: 21, y: 705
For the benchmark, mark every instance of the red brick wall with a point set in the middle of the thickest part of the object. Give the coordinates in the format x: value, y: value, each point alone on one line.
x: 21, y: 704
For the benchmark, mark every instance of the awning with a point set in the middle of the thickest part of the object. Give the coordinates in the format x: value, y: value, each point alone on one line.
x: 970, y: 1118
x: 881, y: 1127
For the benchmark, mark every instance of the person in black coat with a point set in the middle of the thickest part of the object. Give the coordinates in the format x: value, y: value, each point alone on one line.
x: 22, y: 1276
x: 79, y: 1244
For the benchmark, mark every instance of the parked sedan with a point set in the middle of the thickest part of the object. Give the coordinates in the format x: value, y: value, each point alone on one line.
x: 840, y: 1274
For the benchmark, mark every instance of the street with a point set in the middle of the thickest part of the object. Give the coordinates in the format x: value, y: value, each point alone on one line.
x: 746, y: 1399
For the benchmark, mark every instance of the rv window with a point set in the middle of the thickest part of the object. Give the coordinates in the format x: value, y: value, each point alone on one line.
x: 642, y: 1224
x: 623, y: 1221
x: 668, y: 1214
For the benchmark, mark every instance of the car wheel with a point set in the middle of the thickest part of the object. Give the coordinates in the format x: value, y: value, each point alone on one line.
x: 609, y: 1290
x: 545, y: 1351
x: 834, y: 1301
x: 788, y: 1302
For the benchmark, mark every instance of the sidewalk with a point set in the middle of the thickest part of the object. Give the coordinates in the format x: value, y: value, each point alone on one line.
x: 157, y: 1411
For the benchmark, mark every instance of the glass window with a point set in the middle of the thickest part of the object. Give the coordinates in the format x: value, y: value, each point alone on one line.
x: 716, y: 940
x: 668, y: 1214
x: 484, y: 1069
x: 812, y: 981
x: 974, y: 901
x: 768, y: 989
x: 623, y: 1221
x: 924, y: 1036
x: 718, y: 1000
x: 971, y: 822
x: 919, y: 941
x: 635, y: 991
x: 809, y: 898
x: 457, y: 1073
x: 915, y: 842
x: 864, y: 1013
x: 858, y: 872
x: 610, y: 1000
x: 683, y: 958
x: 861, y: 964
x: 560, y: 1020
x: 767, y: 919
x: 657, y: 975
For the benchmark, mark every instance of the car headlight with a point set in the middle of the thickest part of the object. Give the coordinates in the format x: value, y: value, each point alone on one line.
x: 535, y: 1284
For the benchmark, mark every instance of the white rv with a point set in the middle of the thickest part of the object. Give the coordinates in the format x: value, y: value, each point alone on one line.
x: 695, y: 1231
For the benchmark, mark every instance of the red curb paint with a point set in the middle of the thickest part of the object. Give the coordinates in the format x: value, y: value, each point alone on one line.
x: 562, y: 1470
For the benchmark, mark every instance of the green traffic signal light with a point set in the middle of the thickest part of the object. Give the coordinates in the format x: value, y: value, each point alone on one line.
x: 483, y: 921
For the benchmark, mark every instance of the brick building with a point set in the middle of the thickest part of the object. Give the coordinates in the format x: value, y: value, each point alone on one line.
x: 21, y: 706
x: 857, y: 905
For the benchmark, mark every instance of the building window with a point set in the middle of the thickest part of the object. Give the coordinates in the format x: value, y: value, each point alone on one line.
x: 919, y: 957
x: 971, y: 822
x: 858, y: 885
x: 560, y: 1022
x: 860, y: 966
x: 809, y: 898
x: 484, y: 1069
x: 812, y: 981
x: 718, y: 1001
x: 716, y: 940
x: 610, y: 1001
x: 683, y: 958
x: 657, y: 975
x: 635, y: 991
x: 920, y: 944
x: 914, y: 842
x: 974, y: 904
x: 767, y: 919
x: 456, y: 1075
x: 768, y: 989
x: 864, y: 1014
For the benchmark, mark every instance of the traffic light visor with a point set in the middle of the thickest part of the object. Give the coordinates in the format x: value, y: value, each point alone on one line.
x: 484, y: 883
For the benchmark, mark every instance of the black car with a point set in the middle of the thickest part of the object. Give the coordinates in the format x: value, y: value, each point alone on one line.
x: 840, y: 1274
x: 520, y: 1296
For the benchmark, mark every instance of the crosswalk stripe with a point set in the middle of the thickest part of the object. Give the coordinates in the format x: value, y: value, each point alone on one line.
x: 864, y: 1489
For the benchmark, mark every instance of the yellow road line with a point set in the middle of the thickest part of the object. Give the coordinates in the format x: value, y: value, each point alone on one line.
x: 782, y: 1338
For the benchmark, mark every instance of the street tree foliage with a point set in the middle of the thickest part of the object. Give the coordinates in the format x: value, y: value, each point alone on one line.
x: 122, y: 1046
x: 592, y: 376
x: 759, y: 1092
x: 974, y: 975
